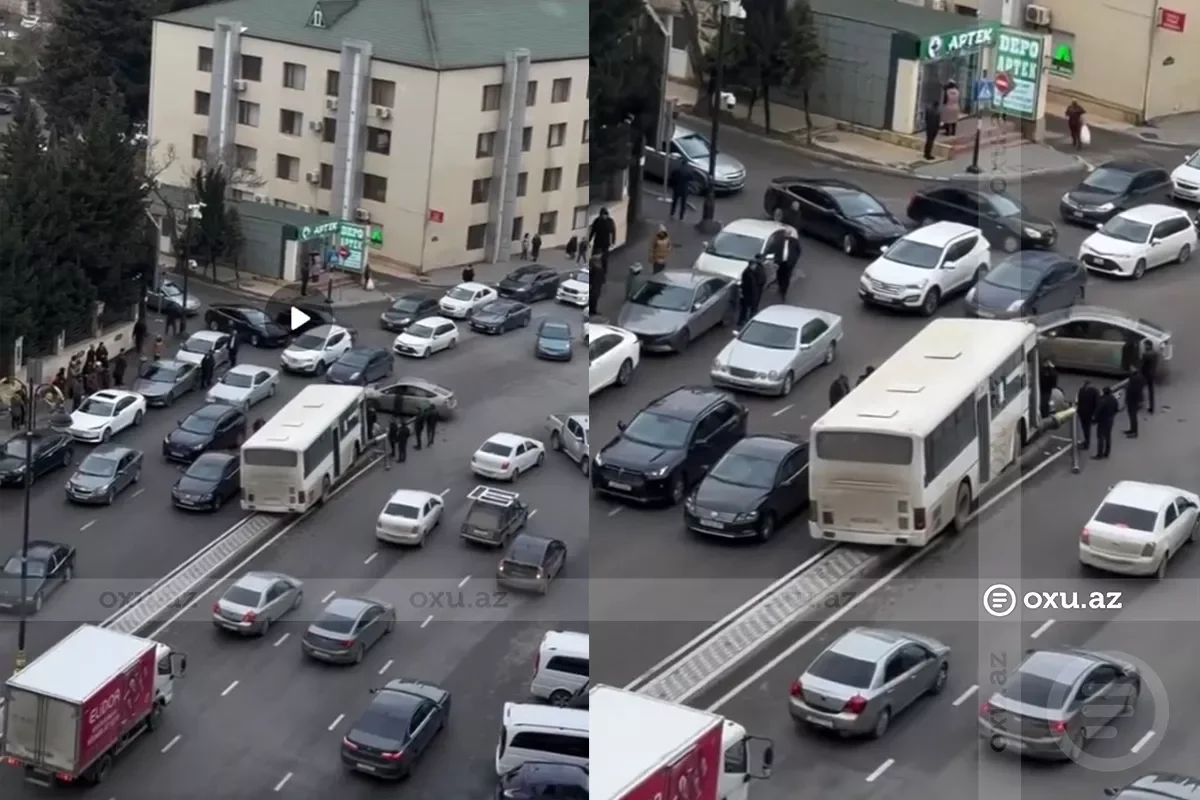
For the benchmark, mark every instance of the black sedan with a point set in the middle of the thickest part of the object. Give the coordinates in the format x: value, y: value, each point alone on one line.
x: 164, y: 382
x: 399, y: 725
x: 313, y: 312
x: 48, y: 565
x: 208, y: 483
x: 248, y: 324
x: 836, y: 211
x: 361, y: 366
x: 51, y: 450
x: 407, y: 309
x: 1004, y: 221
x: 539, y: 780
x: 105, y: 473
x: 500, y: 316
x: 759, y: 483
x: 1114, y: 187
x: 211, y: 427
x: 531, y: 563
x: 530, y: 283
x: 1028, y: 284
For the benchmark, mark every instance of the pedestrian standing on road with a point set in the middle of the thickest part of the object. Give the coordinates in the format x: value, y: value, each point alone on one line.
x: 206, y: 370
x: 535, y: 246
x: 234, y: 342
x: 119, y: 367
x: 680, y: 184
x: 1075, y: 114
x: 418, y: 429
x: 582, y: 255
x: 89, y: 359
x: 393, y: 443
x: 866, y: 373
x: 951, y: 108
x: 372, y: 422
x: 401, y: 442
x: 747, y: 294
x: 933, y: 121
x: 468, y: 273
x: 75, y: 390
x: 91, y: 382
x: 572, y: 248
x: 305, y: 276
x: 1130, y: 354
x: 525, y: 247
x: 1047, y: 383
x: 838, y: 389
x: 172, y: 315
x: 103, y: 376
x: 158, y: 347
x: 1086, y: 404
x: 602, y: 236
x: 16, y: 410
x: 787, y: 255
x: 431, y: 423
x: 1135, y: 391
x: 102, y: 355
x: 139, y: 334
x: 660, y: 250
x: 1149, y: 370
x: 597, y: 277
x: 1106, y: 415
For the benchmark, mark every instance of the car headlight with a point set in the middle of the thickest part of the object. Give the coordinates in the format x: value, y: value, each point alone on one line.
x: 167, y: 440
x: 918, y: 285
x: 1016, y: 305
x: 773, y: 375
x: 717, y: 366
x: 1148, y: 550
x: 356, y: 376
x: 1031, y: 233
x: 599, y: 460
x: 1105, y: 207
x: 690, y: 503
x: 206, y: 498
x: 1066, y: 198
x: 660, y: 472
x: 748, y: 516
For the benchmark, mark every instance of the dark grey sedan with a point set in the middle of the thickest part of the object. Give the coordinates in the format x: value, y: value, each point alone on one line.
x: 164, y: 382
x: 348, y: 627
x: 670, y: 310
x: 1027, y: 284
x: 105, y: 473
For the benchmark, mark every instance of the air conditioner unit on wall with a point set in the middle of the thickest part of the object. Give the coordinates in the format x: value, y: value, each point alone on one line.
x: 239, y: 86
x: 331, y: 104
x: 1037, y: 15
x: 383, y: 112
x: 362, y: 215
x: 316, y: 125
x: 307, y: 209
x: 939, y: 5
x: 313, y: 177
x: 261, y: 198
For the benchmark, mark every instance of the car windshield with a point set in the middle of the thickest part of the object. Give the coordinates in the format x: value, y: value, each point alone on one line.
x: 33, y: 569
x: 198, y: 424
x: 419, y: 331
x: 1005, y: 206
x: 693, y: 146
x: 335, y: 622
x: 656, y: 430
x: 769, y: 335
x: 496, y: 449
x: 158, y: 373
x: 206, y: 469
x: 1194, y: 160
x: 241, y: 596
x: 402, y: 510
x: 580, y: 275
x: 484, y: 515
x: 239, y: 380
x: 406, y: 305
x: 843, y: 669
x: 16, y: 446
x: 1126, y: 230
x: 857, y: 204
x: 1011, y: 275
x: 98, y: 466
x: 914, y: 254
x: 524, y: 277
x: 198, y: 345
x: 663, y: 296
x: 744, y: 470
x: 555, y: 330
x: 169, y: 290
x: 354, y: 360
x: 97, y: 408
x: 526, y: 550
x: 459, y: 293
x: 1121, y: 516
x: 256, y: 317
x: 1108, y: 180
x: 1036, y: 691
x: 737, y: 246
x: 497, y: 308
x: 307, y: 341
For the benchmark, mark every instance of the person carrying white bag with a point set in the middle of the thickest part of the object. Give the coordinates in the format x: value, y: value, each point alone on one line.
x: 1081, y: 137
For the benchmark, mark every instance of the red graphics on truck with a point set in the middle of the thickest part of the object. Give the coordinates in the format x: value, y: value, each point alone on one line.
x: 695, y: 776
x: 110, y: 712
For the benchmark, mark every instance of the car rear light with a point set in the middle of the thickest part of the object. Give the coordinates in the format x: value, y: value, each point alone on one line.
x: 1058, y: 728
x: 249, y: 616
x: 393, y: 756
x: 347, y: 643
x: 1085, y: 536
x: 504, y: 465
x: 347, y: 743
x: 216, y: 608
x: 300, y: 497
x: 919, y: 519
x: 797, y: 689
x: 986, y: 708
x: 855, y: 705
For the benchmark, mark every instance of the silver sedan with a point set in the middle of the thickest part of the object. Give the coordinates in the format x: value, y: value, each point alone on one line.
x: 777, y: 347
x: 256, y: 600
x: 244, y: 386
x: 670, y: 310
x: 867, y: 677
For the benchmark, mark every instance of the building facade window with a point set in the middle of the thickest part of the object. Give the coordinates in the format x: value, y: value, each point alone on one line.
x: 291, y: 122
x: 476, y: 236
x: 531, y: 93
x: 557, y: 136
x: 518, y: 228
x: 201, y: 102
x: 326, y: 176
x: 332, y: 79
x: 379, y: 141
x: 199, y: 147
x: 583, y: 175
x: 526, y: 139
x: 245, y: 158
x: 374, y: 188
x: 251, y: 69
x: 548, y: 223
x: 480, y: 189
x: 581, y: 218
x: 491, y: 97
x: 204, y: 57
x: 485, y: 145
x: 295, y: 76
x: 560, y: 90
x: 383, y: 93
x: 587, y: 131
x: 287, y: 167
x: 522, y: 183
x: 329, y: 129
x: 248, y: 113
x: 552, y: 179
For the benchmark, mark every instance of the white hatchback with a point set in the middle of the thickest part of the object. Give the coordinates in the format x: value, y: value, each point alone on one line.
x: 1139, y: 239
x: 1185, y: 180
x: 459, y: 302
x: 425, y: 337
x: 1138, y: 528
x: 506, y: 455
x: 106, y: 413
x: 923, y: 267
x: 409, y: 517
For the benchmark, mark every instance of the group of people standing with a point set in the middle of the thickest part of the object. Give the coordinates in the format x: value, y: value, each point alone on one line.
x: 841, y: 386
x: 423, y: 426
x: 1099, y: 408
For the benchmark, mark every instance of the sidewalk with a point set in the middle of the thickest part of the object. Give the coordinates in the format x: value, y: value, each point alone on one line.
x: 347, y: 289
x: 1178, y: 130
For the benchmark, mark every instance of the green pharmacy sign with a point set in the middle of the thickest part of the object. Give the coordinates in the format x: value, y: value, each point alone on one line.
x: 959, y: 43
x: 1019, y: 56
x: 352, y: 237
x: 1062, y: 63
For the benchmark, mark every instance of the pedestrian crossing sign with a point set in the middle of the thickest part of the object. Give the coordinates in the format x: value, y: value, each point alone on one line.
x: 984, y: 91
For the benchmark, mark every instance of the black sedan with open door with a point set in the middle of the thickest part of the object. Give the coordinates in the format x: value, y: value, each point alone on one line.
x: 837, y: 211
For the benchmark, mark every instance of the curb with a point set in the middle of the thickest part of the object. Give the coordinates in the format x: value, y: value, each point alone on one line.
x: 884, y: 169
x: 239, y: 291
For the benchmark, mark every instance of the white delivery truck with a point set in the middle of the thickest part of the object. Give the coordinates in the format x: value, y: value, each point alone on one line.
x: 75, y: 708
x: 642, y: 747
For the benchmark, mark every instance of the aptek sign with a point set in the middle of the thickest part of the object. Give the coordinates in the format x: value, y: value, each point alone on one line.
x: 959, y: 43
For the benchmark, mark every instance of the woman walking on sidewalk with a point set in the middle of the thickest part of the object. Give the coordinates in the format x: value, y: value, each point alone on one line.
x: 660, y: 250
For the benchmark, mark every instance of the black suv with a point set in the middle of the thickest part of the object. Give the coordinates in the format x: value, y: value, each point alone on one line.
x: 670, y: 445
x: 495, y: 516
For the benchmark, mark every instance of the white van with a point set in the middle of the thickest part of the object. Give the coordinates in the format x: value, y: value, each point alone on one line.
x: 541, y: 733
x: 561, y: 668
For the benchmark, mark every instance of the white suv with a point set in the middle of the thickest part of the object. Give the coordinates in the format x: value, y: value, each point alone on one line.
x: 313, y: 351
x: 924, y: 266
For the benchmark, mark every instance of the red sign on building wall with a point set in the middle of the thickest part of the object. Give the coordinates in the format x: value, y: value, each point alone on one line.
x: 436, y: 216
x: 1172, y: 20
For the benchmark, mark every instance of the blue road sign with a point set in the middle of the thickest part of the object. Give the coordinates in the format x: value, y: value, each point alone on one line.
x: 984, y: 90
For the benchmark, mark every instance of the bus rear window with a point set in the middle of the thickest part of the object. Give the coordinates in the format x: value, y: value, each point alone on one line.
x: 864, y: 448
x: 263, y: 457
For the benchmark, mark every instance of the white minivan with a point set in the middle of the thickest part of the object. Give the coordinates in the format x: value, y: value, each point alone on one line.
x: 541, y: 733
x: 562, y: 666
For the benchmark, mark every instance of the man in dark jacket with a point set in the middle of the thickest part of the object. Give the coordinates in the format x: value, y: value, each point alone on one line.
x: 749, y: 294
x: 393, y: 438
x: 787, y: 254
x: 431, y: 422
x: 597, y: 275
x: 866, y: 373
x: 1149, y: 370
x: 468, y: 273
x: 119, y: 367
x: 1135, y: 392
x: 418, y: 428
x: 1047, y: 381
x: 1086, y: 403
x: 1106, y: 415
x: 680, y: 184
x: 602, y: 236
x: 139, y: 334
x: 838, y: 389
x: 233, y: 348
x: 174, y: 317
x: 206, y: 370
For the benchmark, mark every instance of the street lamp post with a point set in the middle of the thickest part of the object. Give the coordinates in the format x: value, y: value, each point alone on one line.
x: 194, y: 211
x: 728, y: 9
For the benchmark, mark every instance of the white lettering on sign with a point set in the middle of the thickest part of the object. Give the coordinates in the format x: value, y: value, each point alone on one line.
x: 1020, y: 47
x: 110, y: 702
x: 966, y: 39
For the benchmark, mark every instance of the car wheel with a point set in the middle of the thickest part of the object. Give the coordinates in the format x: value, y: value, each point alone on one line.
x: 299, y: 599
x: 962, y: 508
x: 766, y: 527
x: 1011, y: 244
x: 425, y: 353
x: 137, y: 476
x: 1161, y: 571
x: 110, y: 497
x: 625, y: 373
x: 137, y: 419
x: 104, y: 437
x: 1192, y: 534
x: 38, y: 602
x: 677, y: 489
x: 882, y: 723
x: 266, y: 626
x: 850, y: 244
x: 1139, y: 269
x: 541, y: 457
x: 830, y: 355
x: 682, y: 341
x: 979, y: 274
x: 391, y: 626
x: 66, y: 458
x: 555, y: 440
x: 777, y: 214
x: 360, y: 653
x: 560, y: 698
x: 1131, y: 699
x: 788, y: 381
x: 68, y: 572
x: 939, y: 682
x: 585, y: 466
x: 321, y: 367
x: 1185, y: 254
x: 933, y: 299
x: 453, y: 343
x: 254, y: 340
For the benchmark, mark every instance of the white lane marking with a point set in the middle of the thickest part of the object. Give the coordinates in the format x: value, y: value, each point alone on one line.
x: 281, y: 640
x: 283, y: 782
x: 386, y: 666
x: 1045, y: 626
x: 87, y: 525
x: 175, y: 741
x: 616, y: 510
x: 443, y: 492
x: 229, y: 688
x: 428, y: 620
x: 882, y: 768
x: 329, y: 596
x: 783, y: 410
x: 1142, y: 742
x: 531, y: 513
x: 370, y: 558
x: 336, y: 722
x: 463, y: 582
x: 139, y: 491
x: 965, y: 696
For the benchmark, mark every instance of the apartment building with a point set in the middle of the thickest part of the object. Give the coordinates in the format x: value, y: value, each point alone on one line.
x: 450, y: 127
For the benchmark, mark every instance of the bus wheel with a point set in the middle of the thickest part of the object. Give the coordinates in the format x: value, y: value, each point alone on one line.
x: 324, y: 490
x: 1022, y: 436
x: 962, y: 507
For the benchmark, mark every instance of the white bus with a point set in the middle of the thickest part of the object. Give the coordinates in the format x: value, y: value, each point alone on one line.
x: 909, y: 451
x: 297, y: 457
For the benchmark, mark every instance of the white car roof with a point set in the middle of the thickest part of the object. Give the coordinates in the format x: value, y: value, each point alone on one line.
x: 327, y: 330
x: 433, y: 321
x: 112, y: 394
x: 249, y: 369
x: 1152, y: 213
x: 411, y: 497
x: 793, y: 316
x: 599, y: 329
x: 472, y: 286
x: 939, y: 233
x: 761, y: 228
x: 509, y: 439
x: 1146, y: 496
x: 207, y: 336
